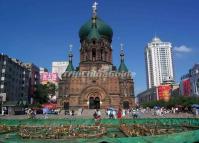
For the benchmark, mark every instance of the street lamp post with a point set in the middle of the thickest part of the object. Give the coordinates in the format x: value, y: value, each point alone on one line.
x: 1, y: 105
x: 3, y: 98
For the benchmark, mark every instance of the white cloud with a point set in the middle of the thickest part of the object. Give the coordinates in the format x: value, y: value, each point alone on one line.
x: 182, y: 49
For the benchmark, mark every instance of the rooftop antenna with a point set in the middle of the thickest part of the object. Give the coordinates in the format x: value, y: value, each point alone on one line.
x: 155, y: 36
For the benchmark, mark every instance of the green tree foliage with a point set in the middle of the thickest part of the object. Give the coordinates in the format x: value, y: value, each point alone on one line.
x: 184, y: 101
x: 51, y: 88
x: 42, y: 92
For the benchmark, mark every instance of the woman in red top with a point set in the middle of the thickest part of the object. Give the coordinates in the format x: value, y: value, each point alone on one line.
x: 119, y: 114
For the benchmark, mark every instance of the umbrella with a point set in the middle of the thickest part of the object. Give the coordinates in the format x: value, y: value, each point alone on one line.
x: 195, y: 106
x: 45, y: 110
x: 156, y: 107
x: 49, y: 106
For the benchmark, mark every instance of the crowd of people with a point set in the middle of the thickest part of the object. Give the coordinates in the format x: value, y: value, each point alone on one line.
x: 164, y: 112
x: 113, y: 113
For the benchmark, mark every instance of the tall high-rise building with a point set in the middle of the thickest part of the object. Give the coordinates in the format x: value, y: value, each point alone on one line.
x: 159, y: 62
x: 59, y: 67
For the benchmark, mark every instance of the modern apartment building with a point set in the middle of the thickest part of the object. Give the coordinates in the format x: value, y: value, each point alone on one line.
x: 34, y: 79
x: 14, y: 79
x: 159, y: 62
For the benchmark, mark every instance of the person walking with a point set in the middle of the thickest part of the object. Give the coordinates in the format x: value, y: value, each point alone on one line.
x: 119, y: 114
x: 97, y: 114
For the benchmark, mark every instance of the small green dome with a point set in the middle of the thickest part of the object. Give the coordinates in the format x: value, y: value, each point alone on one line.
x: 70, y: 67
x: 122, y: 67
x: 102, y: 29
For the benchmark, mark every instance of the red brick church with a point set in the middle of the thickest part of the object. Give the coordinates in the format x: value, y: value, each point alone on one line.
x: 96, y: 82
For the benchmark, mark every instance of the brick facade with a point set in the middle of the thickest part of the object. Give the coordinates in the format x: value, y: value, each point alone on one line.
x: 113, y: 89
x: 96, y: 83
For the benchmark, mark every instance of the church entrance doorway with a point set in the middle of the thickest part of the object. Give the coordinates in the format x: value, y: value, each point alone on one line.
x: 97, y: 103
x: 66, y: 108
x: 66, y: 105
x: 94, y: 103
x: 126, y: 105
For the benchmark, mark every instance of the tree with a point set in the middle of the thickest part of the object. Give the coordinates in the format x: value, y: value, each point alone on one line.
x: 41, y: 94
x: 51, y: 88
x: 185, y: 101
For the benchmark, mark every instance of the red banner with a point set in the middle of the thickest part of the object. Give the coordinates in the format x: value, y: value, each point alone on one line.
x: 164, y: 92
x: 186, y: 87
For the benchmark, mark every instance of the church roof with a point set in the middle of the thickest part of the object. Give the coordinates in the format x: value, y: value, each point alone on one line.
x: 123, y: 67
x: 70, y: 67
x: 93, y: 34
x: 100, y: 30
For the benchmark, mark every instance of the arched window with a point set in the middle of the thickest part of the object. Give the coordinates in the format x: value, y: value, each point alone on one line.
x: 126, y: 105
x: 101, y: 54
x: 91, y: 103
x: 97, y: 102
x: 86, y: 55
x: 106, y: 55
x: 93, y: 54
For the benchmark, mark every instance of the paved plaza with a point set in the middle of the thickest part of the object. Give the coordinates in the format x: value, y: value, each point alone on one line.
x: 88, y: 113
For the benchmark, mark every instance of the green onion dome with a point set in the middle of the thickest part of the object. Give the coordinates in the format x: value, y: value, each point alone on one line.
x: 101, y: 29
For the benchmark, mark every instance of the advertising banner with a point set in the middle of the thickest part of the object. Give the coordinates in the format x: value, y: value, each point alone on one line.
x: 49, y: 77
x: 186, y: 87
x: 164, y: 92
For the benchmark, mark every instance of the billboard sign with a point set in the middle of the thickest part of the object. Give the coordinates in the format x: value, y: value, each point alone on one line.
x: 49, y: 77
x: 186, y: 87
x: 164, y: 92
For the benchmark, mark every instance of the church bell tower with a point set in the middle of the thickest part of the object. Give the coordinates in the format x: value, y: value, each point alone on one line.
x: 95, y: 38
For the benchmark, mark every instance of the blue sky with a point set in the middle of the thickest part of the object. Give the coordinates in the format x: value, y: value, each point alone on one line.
x: 40, y: 31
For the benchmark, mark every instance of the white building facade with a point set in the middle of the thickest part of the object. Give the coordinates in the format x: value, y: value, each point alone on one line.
x: 159, y: 62
x: 59, y: 67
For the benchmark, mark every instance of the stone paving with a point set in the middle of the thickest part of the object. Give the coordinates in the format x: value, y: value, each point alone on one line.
x: 89, y: 114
